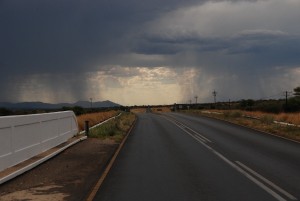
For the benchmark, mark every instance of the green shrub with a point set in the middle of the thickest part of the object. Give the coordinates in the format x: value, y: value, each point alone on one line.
x: 115, y: 128
x: 236, y: 114
x: 232, y: 114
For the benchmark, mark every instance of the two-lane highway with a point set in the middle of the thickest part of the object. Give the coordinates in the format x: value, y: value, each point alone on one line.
x: 181, y: 157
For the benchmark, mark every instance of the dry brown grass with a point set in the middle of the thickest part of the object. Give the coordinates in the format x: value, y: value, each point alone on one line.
x: 153, y: 109
x: 161, y: 109
x: 292, y: 118
x: 94, y: 118
x: 264, y: 123
x: 138, y: 110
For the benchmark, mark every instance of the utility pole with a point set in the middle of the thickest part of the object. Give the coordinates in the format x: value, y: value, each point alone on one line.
x: 287, y: 94
x: 196, y: 97
x: 190, y: 101
x: 214, y: 94
x: 286, y: 99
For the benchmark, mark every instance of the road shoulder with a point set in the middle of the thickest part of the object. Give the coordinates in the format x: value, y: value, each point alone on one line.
x: 68, y: 176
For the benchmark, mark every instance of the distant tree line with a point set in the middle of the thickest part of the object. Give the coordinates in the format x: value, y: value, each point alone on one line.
x: 76, y: 109
x: 291, y: 104
x: 272, y: 106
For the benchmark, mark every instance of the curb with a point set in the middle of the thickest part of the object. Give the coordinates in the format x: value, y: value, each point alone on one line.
x: 99, y: 183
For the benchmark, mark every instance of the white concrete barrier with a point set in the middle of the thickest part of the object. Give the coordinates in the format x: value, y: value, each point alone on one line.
x: 25, y: 136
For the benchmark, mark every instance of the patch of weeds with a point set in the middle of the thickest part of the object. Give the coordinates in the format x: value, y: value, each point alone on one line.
x: 283, y: 118
x: 118, y: 138
x: 227, y: 114
x: 236, y: 114
x: 115, y: 128
x: 292, y: 130
x: 265, y: 123
x: 271, y: 129
x: 267, y: 119
x: 232, y: 114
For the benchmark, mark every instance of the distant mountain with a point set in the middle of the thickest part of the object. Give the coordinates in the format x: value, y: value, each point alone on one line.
x: 41, y: 105
x: 87, y: 104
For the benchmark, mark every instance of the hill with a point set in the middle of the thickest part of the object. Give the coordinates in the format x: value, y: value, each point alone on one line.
x: 41, y: 105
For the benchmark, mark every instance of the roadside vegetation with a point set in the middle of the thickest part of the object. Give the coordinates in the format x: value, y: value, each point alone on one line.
x: 161, y: 109
x: 95, y: 118
x: 283, y: 124
x: 155, y: 109
x: 114, y: 129
x: 138, y: 110
x: 280, y: 117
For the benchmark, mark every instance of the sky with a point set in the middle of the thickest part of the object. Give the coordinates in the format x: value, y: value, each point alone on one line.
x: 148, y: 52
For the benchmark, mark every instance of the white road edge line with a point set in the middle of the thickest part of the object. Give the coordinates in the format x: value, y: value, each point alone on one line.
x: 254, y: 180
x: 264, y: 187
x: 266, y: 181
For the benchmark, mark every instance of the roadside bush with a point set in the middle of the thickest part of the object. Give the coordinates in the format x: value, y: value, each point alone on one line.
x: 5, y: 112
x: 270, y: 107
x: 232, y: 114
x: 293, y: 105
x: 227, y: 114
x: 267, y: 119
x: 247, y: 104
x: 236, y: 114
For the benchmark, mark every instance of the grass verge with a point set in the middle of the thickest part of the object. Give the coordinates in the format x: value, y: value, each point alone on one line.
x: 114, y: 129
x: 264, y: 122
x: 95, y: 118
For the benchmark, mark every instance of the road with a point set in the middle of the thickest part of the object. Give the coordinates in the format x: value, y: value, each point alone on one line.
x: 180, y: 157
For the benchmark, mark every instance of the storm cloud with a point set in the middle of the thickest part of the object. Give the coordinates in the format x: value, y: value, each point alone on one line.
x: 59, y: 51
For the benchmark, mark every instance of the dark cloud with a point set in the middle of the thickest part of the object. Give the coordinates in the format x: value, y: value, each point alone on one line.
x: 251, y: 64
x: 256, y: 48
x: 50, y: 36
x: 71, y: 36
x: 54, y: 44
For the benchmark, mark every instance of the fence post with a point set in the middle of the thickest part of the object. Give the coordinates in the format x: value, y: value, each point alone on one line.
x: 86, y: 128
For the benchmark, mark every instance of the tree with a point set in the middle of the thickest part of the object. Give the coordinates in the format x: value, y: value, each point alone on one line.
x: 297, y: 91
x: 247, y: 104
x: 294, y: 102
x: 5, y: 112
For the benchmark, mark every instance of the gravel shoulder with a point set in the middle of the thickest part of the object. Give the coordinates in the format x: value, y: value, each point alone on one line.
x: 67, y: 177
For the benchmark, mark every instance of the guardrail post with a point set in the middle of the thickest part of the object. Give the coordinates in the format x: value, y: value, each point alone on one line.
x: 86, y: 128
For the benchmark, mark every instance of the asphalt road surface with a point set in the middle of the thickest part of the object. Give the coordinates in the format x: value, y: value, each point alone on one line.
x: 179, y: 157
